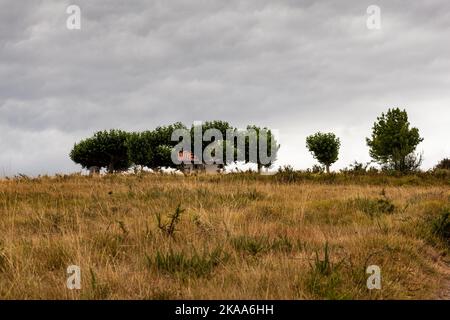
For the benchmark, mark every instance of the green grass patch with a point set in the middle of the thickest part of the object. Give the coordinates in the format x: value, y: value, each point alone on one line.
x: 373, y: 207
x: 256, y: 245
x: 324, y: 278
x: 440, y: 227
x: 178, y: 263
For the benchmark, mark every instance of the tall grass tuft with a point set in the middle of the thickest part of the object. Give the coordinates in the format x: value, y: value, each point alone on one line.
x: 373, y: 207
x: 441, y: 227
x: 169, y: 227
x: 324, y: 279
x: 178, y: 263
x: 256, y: 245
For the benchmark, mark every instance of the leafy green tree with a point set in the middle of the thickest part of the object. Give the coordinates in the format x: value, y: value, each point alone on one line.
x: 162, y: 144
x: 324, y: 147
x: 162, y: 157
x: 231, y: 143
x: 393, y: 142
x: 222, y: 126
x: 141, y: 149
x: 152, y: 148
x: 162, y: 135
x: 113, y: 148
x: 264, y: 136
x: 87, y: 154
x: 213, y: 143
x: 106, y: 149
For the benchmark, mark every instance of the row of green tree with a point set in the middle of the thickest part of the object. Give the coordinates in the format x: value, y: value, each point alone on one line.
x: 118, y: 150
x: 392, y: 145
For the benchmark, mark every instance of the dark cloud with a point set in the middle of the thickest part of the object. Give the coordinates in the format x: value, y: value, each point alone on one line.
x: 297, y: 66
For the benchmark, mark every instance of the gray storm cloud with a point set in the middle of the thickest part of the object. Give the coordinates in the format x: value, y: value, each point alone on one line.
x: 295, y: 66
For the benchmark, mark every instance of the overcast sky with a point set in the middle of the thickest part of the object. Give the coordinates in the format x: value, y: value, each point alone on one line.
x: 292, y: 65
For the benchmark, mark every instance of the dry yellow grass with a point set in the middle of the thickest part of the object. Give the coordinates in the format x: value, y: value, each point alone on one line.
x: 237, y: 238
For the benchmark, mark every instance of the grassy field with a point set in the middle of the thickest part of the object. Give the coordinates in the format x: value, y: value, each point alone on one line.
x: 240, y: 236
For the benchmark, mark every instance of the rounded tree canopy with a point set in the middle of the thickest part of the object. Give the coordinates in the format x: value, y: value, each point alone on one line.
x: 324, y: 147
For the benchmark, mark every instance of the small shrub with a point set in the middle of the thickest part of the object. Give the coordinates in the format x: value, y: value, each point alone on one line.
x: 444, y: 164
x: 323, y: 279
x: 374, y: 207
x: 317, y: 169
x: 286, y: 169
x: 356, y: 168
x: 252, y: 245
x: 169, y: 227
x: 443, y: 174
x: 287, y: 174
